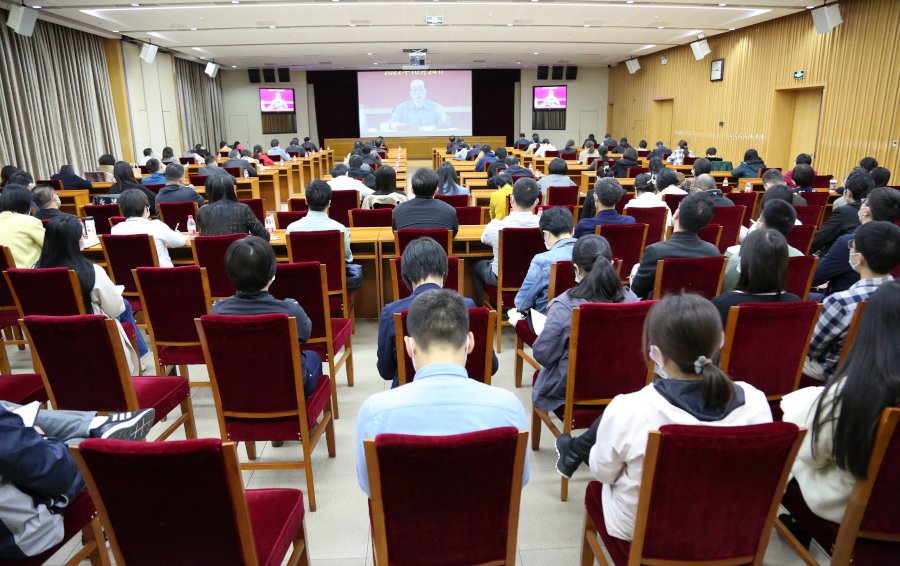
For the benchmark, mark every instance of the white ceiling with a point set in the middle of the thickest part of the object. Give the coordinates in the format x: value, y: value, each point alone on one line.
x: 358, y: 34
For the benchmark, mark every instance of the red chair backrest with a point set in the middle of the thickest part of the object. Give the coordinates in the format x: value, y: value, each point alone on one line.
x: 653, y: 217
x: 808, y: 215
x: 6, y: 262
x: 454, y: 200
x: 517, y: 177
x: 303, y: 283
x: 407, y: 235
x: 821, y: 181
x: 517, y: 248
x: 342, y: 202
x: 374, y: 218
x: 171, y: 315
x: 199, y: 180
x: 325, y: 247
x: 154, y: 187
x: 763, y: 170
x: 701, y: 275
x: 711, y: 233
x: 284, y: 218
x: 665, y: 156
x: 626, y: 242
x: 158, y: 474
x: 782, y: 332
x: 563, y: 196
x: 551, y: 153
x: 144, y: 170
x: 799, y: 275
x: 233, y: 171
x: 881, y: 514
x: 673, y: 201
x: 592, y: 159
x: 801, y: 237
x: 209, y: 252
x: 730, y: 218
x: 102, y: 213
x: 815, y: 198
x: 450, y: 282
x: 635, y: 171
x: 223, y: 154
x: 175, y: 214
x: 295, y: 153
x: 748, y: 201
x: 468, y: 215
x: 55, y: 183
x: 478, y: 325
x: 257, y: 206
x: 275, y: 158
x: 113, y: 220
x: 297, y: 204
x: 623, y: 202
x: 562, y: 278
x: 128, y: 252
x: 187, y: 160
x: 688, y: 160
x: 46, y: 292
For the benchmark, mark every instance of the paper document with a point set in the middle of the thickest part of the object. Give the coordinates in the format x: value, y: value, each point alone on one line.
x: 537, y: 321
x: 29, y: 413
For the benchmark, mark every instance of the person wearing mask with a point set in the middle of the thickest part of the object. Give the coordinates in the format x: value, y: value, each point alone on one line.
x: 125, y: 180
x: 513, y: 169
x: 522, y: 142
x: 802, y: 159
x: 659, y: 151
x: 683, y: 335
x: 645, y: 196
x: 569, y: 153
x: 260, y: 157
x: 499, y: 163
x: 358, y: 171
x: 693, y: 214
x: 749, y: 168
x: 168, y: 156
x: 176, y: 190
x: 605, y: 196
x: 487, y: 157
x: 136, y: 209
x: 224, y: 214
x: 6, y: 173
x: 587, y: 152
x: 773, y: 177
x: 21, y: 233
x: 525, y: 195
x: 156, y: 177
x: 499, y: 205
x: 148, y: 155
x: 544, y: 148
x: 295, y: 147
x: 608, y: 141
x: 211, y: 168
x: 234, y: 160
x: 667, y: 181
x: 629, y: 160
x: 845, y: 219
x: 250, y: 265
x: 701, y: 166
x: 842, y: 199
x: 803, y: 177
x: 70, y: 181
x: 764, y: 264
x: 448, y: 180
x: 682, y: 151
x: 623, y: 145
x: 276, y: 150
x: 556, y: 227
x: 386, y: 191
x: 341, y: 180
x: 598, y: 282
x: 557, y: 176
x: 48, y: 203
x: 106, y: 163
x: 707, y: 184
x: 874, y: 254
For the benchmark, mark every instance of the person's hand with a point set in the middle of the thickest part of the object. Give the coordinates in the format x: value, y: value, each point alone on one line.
x: 441, y: 112
x: 822, y: 287
x: 39, y: 431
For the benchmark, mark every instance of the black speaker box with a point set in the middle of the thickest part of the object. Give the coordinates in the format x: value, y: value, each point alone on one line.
x: 571, y: 73
x: 558, y: 73
x: 284, y: 75
x: 543, y: 73
x: 253, y: 75
x: 269, y: 75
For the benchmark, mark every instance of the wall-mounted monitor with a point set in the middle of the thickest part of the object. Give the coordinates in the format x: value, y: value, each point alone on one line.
x: 276, y: 99
x: 546, y: 97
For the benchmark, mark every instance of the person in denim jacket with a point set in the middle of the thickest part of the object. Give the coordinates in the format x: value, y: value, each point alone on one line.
x: 556, y: 226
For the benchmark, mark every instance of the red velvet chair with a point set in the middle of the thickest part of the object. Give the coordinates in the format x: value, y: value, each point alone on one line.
x: 562, y: 196
x: 327, y: 248
x: 199, y: 180
x: 209, y: 253
x: 22, y: 388
x: 633, y: 172
x: 295, y: 153
x: 274, y: 158
x: 810, y: 215
x: 590, y: 160
x: 665, y: 156
x: 821, y: 181
x: 517, y: 247
x: 113, y: 220
x: 801, y: 237
x: 257, y: 382
x: 702, y: 275
x: 593, y: 381
x: 454, y: 279
x: 517, y: 177
x: 100, y: 381
x: 711, y: 233
x: 750, y: 202
x: 687, y: 160
x: 654, y: 218
x: 478, y: 364
x: 233, y: 171
x: 306, y: 283
x: 626, y: 242
x: 284, y: 218
x: 551, y: 153
x: 730, y: 219
x: 124, y: 254
x: 800, y: 272
x: 170, y: 316
x: 454, y: 200
x: 257, y: 206
x: 363, y: 218
x: 672, y: 201
x: 175, y: 214
x: 9, y: 313
x: 403, y: 237
x: 446, y: 499
x: 342, y: 202
x: 735, y: 476
x: 185, y: 503
x: 155, y: 187
x: 869, y: 533
x: 144, y: 170
x: 469, y: 215
x: 562, y: 278
x: 187, y: 160
x: 297, y: 204
x: 101, y: 214
x: 623, y: 202
x: 763, y: 170
x: 815, y: 198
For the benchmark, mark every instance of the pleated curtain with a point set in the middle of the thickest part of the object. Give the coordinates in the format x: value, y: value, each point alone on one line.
x: 56, y: 105
x: 200, y: 104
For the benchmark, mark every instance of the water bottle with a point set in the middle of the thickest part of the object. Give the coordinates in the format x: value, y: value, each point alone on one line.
x: 246, y: 174
x: 725, y: 184
x: 294, y: 158
x: 270, y: 223
x: 832, y: 186
x: 748, y: 188
x: 191, y: 226
x: 90, y: 227
x: 540, y: 211
x: 328, y: 148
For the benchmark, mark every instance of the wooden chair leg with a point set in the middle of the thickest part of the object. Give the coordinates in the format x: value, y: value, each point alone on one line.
x: 588, y: 534
x: 190, y: 427
x: 300, y: 555
x: 17, y: 332
x: 520, y: 345
x: 251, y: 449
x: 307, y: 465
x: 93, y: 536
x: 334, y: 401
x: 792, y: 541
x: 564, y: 490
x: 183, y: 371
x: 329, y: 433
x: 4, y: 361
x: 348, y: 348
x: 535, y: 430
x: 499, y: 326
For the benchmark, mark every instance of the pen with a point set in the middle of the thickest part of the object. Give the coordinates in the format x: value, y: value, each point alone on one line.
x: 177, y: 225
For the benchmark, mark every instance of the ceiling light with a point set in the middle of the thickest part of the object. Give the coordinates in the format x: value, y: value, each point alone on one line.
x: 731, y: 29
x: 695, y: 32
x: 368, y: 53
x: 660, y: 27
x: 536, y: 53
x: 193, y: 29
x: 36, y: 7
x: 587, y: 25
x: 376, y: 63
x: 509, y: 25
x: 234, y: 66
x: 723, y: 5
x: 630, y: 2
x: 271, y: 27
x: 353, y: 25
x: 135, y: 5
x: 808, y: 7
x: 518, y: 62
x: 196, y: 49
x: 235, y: 1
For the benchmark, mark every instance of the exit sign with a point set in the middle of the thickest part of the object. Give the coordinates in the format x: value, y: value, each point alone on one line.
x: 799, y: 74
x: 434, y: 20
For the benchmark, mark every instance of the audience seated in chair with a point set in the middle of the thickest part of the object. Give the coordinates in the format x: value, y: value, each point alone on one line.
x: 525, y: 195
x: 659, y: 151
x: 667, y: 182
x: 448, y: 180
x: 21, y: 233
x: 386, y: 191
x: 318, y: 198
x: 360, y: 171
x: 646, y: 196
x: 211, y: 167
x: 556, y: 176
x: 276, y: 150
x: 156, y: 176
x: 598, y: 282
x: 487, y: 157
x: 70, y: 180
x: 874, y: 253
x: 136, y: 209
x: 545, y: 146
x: 750, y: 166
x: 424, y: 211
x: 707, y: 184
x: 48, y: 203
x: 424, y: 268
x: 628, y: 160
x: 845, y: 219
x: 556, y: 227
x: 341, y: 180
x: 441, y: 400
x: 250, y: 263
x: 606, y: 195
x: 694, y: 212
x: 773, y: 192
x: 513, y: 169
x: 235, y: 160
x: 587, y: 152
x: 40, y: 477
x: 682, y: 151
x: 225, y: 215
x: 176, y: 190
x: 499, y: 205
x: 125, y: 180
x: 683, y: 335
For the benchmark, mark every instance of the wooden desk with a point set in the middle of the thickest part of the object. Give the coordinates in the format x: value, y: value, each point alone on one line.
x: 72, y: 201
x: 270, y: 190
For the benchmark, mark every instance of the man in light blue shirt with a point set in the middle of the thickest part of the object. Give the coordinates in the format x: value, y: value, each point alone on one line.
x: 156, y: 177
x: 441, y: 400
x: 275, y: 150
x: 556, y: 226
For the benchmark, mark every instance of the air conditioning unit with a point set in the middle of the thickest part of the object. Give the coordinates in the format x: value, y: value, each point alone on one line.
x: 633, y: 66
x: 701, y: 49
x: 148, y: 53
x: 211, y: 70
x: 21, y: 19
x: 827, y: 18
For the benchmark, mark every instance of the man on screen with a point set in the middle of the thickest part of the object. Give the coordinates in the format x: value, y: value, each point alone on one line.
x: 551, y: 100
x: 418, y: 113
x: 278, y: 103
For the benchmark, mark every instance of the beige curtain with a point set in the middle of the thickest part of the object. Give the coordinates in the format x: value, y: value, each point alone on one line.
x: 200, y: 104
x: 56, y: 104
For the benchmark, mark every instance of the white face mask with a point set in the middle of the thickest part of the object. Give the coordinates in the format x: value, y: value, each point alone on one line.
x: 57, y: 200
x: 546, y: 242
x: 578, y: 276
x: 657, y: 357
x: 853, y: 266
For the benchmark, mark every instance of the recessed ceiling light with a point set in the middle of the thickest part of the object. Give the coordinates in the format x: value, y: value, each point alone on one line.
x: 723, y: 5
x: 536, y: 53
x: 193, y: 29
x: 196, y: 49
x: 136, y: 5
x: 36, y: 7
x: 115, y: 31
x: 695, y: 32
x: 630, y: 2
x: 271, y: 27
x: 587, y: 25
x: 353, y: 25
x: 731, y: 29
x: 234, y: 66
x: 509, y: 25
x: 235, y: 1
x: 376, y: 63
x: 660, y: 27
x: 518, y: 62
x: 810, y: 7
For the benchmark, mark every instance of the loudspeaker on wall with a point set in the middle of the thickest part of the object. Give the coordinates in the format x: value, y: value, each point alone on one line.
x: 269, y: 75
x: 558, y: 72
x: 148, y: 53
x: 633, y: 66
x: 284, y: 75
x: 543, y: 73
x: 253, y: 75
x: 571, y: 73
x: 21, y: 19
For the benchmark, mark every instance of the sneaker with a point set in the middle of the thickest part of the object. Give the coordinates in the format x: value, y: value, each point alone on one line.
x: 277, y: 443
x: 566, y: 462
x: 126, y: 426
x: 802, y: 536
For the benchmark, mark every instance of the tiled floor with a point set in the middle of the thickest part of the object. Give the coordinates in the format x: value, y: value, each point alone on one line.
x: 549, y: 529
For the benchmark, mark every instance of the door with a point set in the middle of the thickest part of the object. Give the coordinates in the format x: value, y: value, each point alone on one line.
x: 587, y: 124
x: 805, y: 131
x: 794, y: 126
x: 661, y: 122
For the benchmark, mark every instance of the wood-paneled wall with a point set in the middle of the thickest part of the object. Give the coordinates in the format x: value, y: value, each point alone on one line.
x: 857, y: 63
x: 413, y: 148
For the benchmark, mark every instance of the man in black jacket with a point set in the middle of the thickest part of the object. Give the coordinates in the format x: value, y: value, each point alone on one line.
x: 357, y: 172
x: 47, y: 201
x: 629, y: 160
x: 693, y: 214
x: 175, y: 189
x: 659, y: 150
x: 608, y: 141
x: 500, y: 162
x: 522, y: 142
x: 623, y: 145
x: 844, y: 219
x: 370, y: 157
x: 424, y: 211
x: 211, y: 167
x: 774, y: 177
x: 513, y: 168
x: 234, y: 160
x: 308, y: 145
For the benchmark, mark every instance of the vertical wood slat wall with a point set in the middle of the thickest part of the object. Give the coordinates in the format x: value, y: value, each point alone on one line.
x: 858, y: 63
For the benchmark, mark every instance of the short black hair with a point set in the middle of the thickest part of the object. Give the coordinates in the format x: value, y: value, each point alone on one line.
x: 777, y: 192
x: 557, y: 220
x: 655, y: 165
x: 764, y: 263
x: 623, y: 141
x: 558, y: 166
x: 608, y: 190
x: 15, y: 198
x: 274, y: 143
x: 355, y: 161
x: 250, y: 264
x: 438, y: 317
x: 750, y: 154
x: 803, y: 158
x: 148, y: 151
x: 666, y: 178
x: 631, y: 154
x: 209, y: 159
x: 424, y: 183
x: 642, y: 144
x: 107, y: 159
x: 522, y: 135
x: 859, y: 184
x: 503, y: 178
x: 23, y: 178
x: 878, y: 242
x: 132, y: 203
x: 422, y: 258
x: 884, y: 203
x: 773, y: 177
x: 868, y: 163
x: 779, y: 215
x: 500, y: 152
x: 702, y: 165
x: 696, y: 211
x: 711, y: 151
x: 881, y: 176
x: 803, y: 175
x: 367, y: 148
x: 153, y: 165
x: 42, y: 195
x: 318, y: 195
x: 339, y: 169
x: 545, y: 140
x: 174, y: 172
x: 526, y: 192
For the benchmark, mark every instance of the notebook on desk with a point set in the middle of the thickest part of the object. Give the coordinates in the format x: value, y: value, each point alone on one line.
x: 89, y: 242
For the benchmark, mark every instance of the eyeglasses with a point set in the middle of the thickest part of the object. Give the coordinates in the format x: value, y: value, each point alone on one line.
x: 851, y: 244
x: 417, y: 90
x: 864, y: 202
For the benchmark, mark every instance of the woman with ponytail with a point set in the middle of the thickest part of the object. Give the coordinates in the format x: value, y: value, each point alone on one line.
x: 667, y: 183
x: 598, y: 282
x: 683, y: 335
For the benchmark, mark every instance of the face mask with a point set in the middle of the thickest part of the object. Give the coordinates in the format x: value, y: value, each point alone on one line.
x: 56, y: 200
x: 853, y: 266
x: 578, y: 277
x: 658, y: 359
x: 546, y: 243
x: 860, y: 213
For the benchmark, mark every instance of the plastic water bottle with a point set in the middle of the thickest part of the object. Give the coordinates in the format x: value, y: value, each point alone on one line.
x: 246, y: 174
x: 90, y: 227
x: 748, y: 188
x: 270, y: 223
x: 294, y: 158
x: 832, y: 186
x: 191, y: 226
x: 540, y: 211
x: 328, y: 148
x: 725, y: 184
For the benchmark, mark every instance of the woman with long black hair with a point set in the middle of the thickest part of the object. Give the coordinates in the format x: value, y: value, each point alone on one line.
x: 125, y: 180
x: 224, y: 214
x: 448, y: 180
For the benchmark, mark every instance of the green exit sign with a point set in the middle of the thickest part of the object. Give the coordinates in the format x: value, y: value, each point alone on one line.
x: 799, y: 74
x: 434, y: 20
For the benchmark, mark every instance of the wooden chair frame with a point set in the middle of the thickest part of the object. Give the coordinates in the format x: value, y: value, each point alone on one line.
x: 299, y: 556
x: 112, y: 274
x: 657, y: 284
x: 350, y: 216
x: 395, y: 277
x: 379, y: 529
x: 520, y: 344
x: 851, y: 332
x: 812, y: 274
x: 598, y: 231
x: 328, y: 210
x: 842, y: 553
x: 590, y: 547
x: 538, y: 415
x: 347, y: 302
x: 11, y: 331
x: 326, y: 423
x: 486, y: 302
x: 401, y: 349
x: 155, y: 344
x: 194, y: 215
x: 131, y: 401
x: 731, y: 328
x: 662, y: 234
x: 449, y: 242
